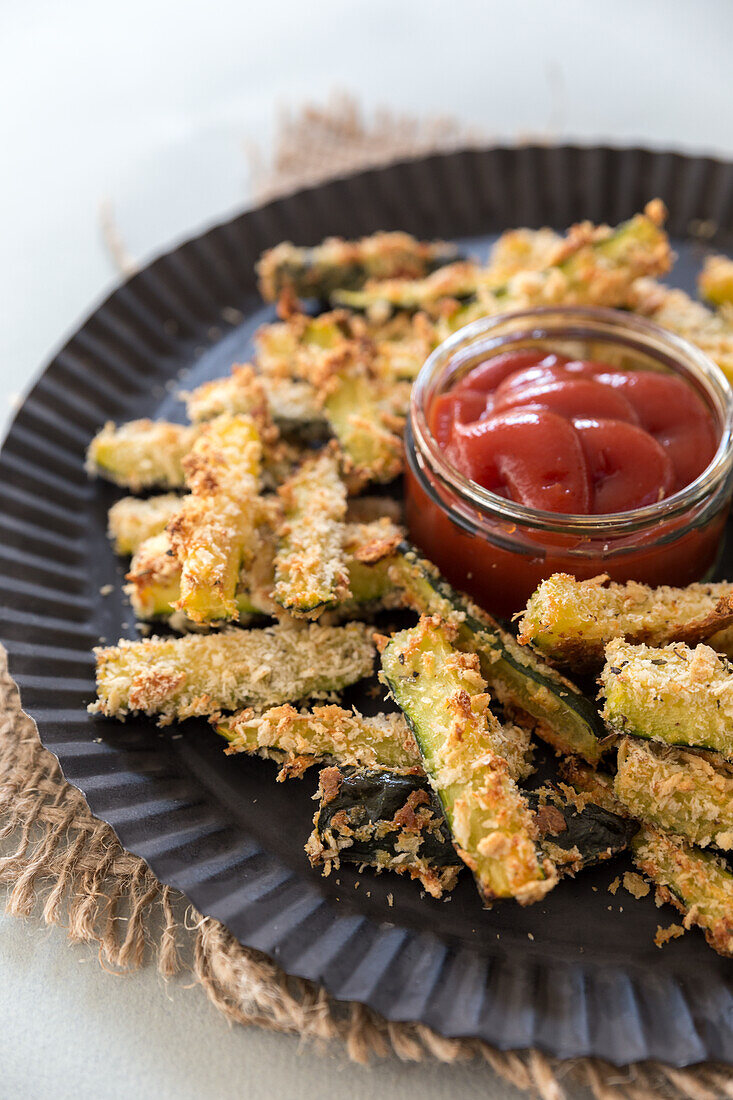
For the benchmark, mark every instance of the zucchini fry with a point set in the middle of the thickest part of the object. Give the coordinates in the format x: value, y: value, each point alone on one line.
x: 302, y: 738
x: 715, y: 281
x: 310, y: 564
x: 441, y: 692
x: 154, y: 577
x: 393, y: 821
x: 142, y: 454
x: 340, y: 364
x: 696, y: 882
x: 711, y: 330
x: 201, y: 674
x: 383, y: 819
x: 593, y: 266
x: 240, y: 392
x: 676, y: 695
x: 316, y: 272
x: 520, y: 680
x: 680, y: 791
x: 131, y: 521
x: 299, y: 739
x: 213, y: 534
x: 570, y: 622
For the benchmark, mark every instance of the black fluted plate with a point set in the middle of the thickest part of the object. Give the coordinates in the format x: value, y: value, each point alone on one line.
x: 576, y: 975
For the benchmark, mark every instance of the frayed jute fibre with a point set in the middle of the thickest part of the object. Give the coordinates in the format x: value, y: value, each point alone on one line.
x: 63, y: 864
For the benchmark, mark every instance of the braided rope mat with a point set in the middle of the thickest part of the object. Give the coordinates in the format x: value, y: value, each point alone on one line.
x: 64, y: 864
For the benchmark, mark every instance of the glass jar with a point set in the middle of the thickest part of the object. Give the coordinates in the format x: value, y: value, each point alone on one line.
x: 498, y: 550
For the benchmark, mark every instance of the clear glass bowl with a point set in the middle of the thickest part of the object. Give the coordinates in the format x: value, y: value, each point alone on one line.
x: 499, y: 550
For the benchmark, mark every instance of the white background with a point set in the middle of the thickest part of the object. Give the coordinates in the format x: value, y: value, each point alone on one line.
x: 152, y: 106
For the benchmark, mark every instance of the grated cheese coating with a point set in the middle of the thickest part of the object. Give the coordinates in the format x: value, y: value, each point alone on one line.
x: 201, y: 674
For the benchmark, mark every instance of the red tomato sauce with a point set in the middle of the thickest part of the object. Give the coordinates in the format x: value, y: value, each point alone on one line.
x: 574, y: 436
x: 567, y: 436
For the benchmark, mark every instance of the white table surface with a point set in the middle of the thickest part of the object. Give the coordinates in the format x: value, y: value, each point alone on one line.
x: 152, y: 104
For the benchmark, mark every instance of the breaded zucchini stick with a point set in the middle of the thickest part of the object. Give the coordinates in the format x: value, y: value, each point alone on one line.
x: 684, y: 792
x: 241, y: 392
x: 711, y: 330
x: 142, y: 454
x: 131, y: 521
x: 201, y: 674
x: 388, y: 820
x: 310, y: 564
x: 594, y: 266
x: 571, y: 622
x: 393, y: 821
x: 674, y: 694
x: 442, y: 694
x: 517, y: 677
x: 213, y: 534
x: 299, y: 739
x: 316, y: 272
x: 302, y: 738
x: 715, y: 281
x: 696, y: 882
x: 155, y: 575
x: 341, y: 367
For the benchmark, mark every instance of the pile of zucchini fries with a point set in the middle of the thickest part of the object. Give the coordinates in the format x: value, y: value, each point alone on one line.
x: 268, y: 550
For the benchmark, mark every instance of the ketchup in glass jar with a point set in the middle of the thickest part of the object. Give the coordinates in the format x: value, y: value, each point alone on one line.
x: 574, y: 436
x: 567, y: 440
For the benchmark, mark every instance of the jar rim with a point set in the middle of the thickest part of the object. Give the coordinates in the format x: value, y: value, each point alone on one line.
x: 573, y: 322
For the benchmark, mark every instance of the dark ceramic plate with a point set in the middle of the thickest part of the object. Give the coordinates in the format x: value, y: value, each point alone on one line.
x: 577, y: 975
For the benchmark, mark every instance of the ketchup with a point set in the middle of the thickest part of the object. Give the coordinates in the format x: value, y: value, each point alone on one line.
x: 574, y: 436
x: 570, y: 437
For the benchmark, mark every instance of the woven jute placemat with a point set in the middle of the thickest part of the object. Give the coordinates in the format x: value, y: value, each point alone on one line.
x: 64, y: 865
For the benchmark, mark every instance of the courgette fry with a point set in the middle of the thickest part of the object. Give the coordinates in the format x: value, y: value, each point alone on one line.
x: 686, y: 793
x: 213, y: 534
x: 299, y: 739
x: 698, y: 883
x: 316, y: 272
x: 340, y: 365
x: 387, y: 820
x: 441, y: 692
x: 241, y: 392
x: 715, y: 281
x: 154, y: 576
x: 570, y: 622
x: 392, y: 820
x: 142, y: 454
x: 710, y: 330
x: 202, y: 674
x: 672, y: 694
x: 154, y: 587
x: 131, y: 521
x: 593, y: 266
x: 519, y: 679
x: 310, y: 563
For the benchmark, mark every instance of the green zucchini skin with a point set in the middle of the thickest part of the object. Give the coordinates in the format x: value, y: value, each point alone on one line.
x: 562, y: 716
x: 371, y: 817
